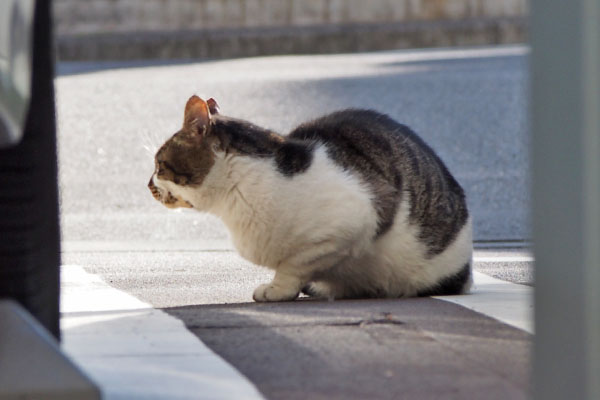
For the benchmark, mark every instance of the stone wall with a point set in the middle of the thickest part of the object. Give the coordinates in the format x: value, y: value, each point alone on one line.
x: 97, y: 23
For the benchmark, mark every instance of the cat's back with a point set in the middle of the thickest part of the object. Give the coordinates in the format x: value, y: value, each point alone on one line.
x: 381, y: 150
x: 349, y: 129
x: 398, y: 167
x: 371, y: 143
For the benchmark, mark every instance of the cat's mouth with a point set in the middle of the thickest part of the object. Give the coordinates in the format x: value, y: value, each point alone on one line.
x: 174, y: 202
x: 167, y: 198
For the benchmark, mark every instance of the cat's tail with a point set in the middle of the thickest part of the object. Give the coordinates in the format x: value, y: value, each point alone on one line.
x: 318, y: 290
x: 458, y: 283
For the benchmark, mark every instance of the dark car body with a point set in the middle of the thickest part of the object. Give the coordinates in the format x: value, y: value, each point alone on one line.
x: 29, y: 224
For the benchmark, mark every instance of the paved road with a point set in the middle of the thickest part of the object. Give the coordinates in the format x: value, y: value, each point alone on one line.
x: 469, y: 105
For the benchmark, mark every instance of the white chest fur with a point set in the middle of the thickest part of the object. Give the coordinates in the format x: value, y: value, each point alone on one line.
x: 274, y: 218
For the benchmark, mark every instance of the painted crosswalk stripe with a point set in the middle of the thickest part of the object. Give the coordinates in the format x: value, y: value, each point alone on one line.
x: 133, y: 351
x: 504, y: 301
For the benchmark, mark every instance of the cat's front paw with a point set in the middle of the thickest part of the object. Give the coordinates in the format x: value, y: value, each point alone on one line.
x: 270, y: 292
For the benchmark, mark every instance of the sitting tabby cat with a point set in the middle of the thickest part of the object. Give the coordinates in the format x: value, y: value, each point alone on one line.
x: 349, y: 205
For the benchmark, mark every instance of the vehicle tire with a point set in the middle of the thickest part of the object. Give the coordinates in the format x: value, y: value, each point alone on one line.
x: 29, y: 223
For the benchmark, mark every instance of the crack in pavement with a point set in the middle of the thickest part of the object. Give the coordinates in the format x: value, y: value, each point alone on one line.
x: 383, y: 319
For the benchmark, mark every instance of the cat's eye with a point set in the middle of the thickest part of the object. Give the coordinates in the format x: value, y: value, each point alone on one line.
x: 216, y: 147
x: 161, y: 168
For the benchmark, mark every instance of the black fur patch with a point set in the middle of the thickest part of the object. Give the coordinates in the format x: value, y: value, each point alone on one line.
x: 451, y: 285
x: 291, y: 156
x: 438, y: 203
x: 245, y: 138
x: 294, y: 157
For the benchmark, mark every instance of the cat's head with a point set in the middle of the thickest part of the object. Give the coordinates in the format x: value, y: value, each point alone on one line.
x: 187, y: 157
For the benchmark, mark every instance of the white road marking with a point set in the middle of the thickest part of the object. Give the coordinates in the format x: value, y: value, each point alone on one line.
x: 507, y: 302
x: 134, y: 351
x: 85, y: 246
x: 503, y: 259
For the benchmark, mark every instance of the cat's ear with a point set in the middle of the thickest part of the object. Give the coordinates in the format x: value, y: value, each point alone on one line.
x: 197, y: 115
x: 212, y: 106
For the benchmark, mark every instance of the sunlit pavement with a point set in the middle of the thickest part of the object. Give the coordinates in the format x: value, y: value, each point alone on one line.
x: 468, y: 104
x: 135, y: 351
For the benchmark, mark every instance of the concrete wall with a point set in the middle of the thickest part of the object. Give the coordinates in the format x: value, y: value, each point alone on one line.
x: 489, y: 21
x: 92, y: 16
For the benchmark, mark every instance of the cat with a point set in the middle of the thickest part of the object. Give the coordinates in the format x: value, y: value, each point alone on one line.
x: 349, y: 205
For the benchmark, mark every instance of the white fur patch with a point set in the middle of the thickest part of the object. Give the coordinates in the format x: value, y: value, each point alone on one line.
x: 320, y: 224
x: 292, y: 222
x: 396, y: 264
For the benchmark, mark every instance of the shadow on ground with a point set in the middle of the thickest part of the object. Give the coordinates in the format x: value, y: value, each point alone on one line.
x: 380, y: 349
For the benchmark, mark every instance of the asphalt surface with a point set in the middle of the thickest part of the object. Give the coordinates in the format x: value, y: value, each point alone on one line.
x: 184, y: 278
x: 368, y: 350
x: 470, y: 106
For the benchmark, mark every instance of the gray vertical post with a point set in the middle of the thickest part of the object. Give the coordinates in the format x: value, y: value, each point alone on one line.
x: 565, y: 65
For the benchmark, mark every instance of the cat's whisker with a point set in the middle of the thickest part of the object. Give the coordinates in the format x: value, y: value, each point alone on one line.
x: 150, y: 142
x: 148, y: 149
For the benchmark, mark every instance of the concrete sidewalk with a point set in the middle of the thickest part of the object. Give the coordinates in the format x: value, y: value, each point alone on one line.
x: 133, y: 351
x: 422, y: 348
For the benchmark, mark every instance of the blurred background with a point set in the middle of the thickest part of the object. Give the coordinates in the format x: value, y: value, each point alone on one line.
x: 453, y: 70
x: 167, y: 29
